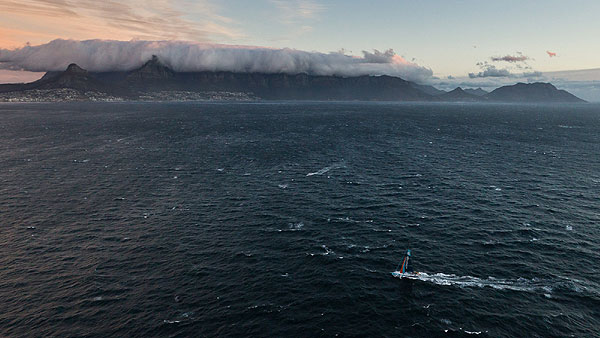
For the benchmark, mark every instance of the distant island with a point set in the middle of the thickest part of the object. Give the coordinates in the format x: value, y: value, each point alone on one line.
x: 155, y: 81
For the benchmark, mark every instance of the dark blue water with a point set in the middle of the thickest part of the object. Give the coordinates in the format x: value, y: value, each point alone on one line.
x: 286, y: 219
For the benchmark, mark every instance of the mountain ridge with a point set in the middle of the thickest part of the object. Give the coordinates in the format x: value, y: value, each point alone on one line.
x: 477, y: 91
x: 154, y: 78
x: 460, y: 95
x: 531, y: 92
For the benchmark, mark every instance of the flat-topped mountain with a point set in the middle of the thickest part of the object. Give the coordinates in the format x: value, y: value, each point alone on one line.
x: 155, y: 80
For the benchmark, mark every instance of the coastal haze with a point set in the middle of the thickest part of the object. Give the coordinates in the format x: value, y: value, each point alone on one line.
x: 179, y: 169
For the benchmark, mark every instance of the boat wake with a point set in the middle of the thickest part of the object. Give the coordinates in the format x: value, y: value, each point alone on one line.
x: 520, y: 284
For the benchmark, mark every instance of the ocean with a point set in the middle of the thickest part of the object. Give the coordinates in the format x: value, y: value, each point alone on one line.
x: 286, y: 219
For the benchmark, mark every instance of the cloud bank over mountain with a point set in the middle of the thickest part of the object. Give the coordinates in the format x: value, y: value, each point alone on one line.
x: 183, y: 56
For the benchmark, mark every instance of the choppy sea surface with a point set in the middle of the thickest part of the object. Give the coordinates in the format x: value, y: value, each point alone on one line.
x: 286, y: 219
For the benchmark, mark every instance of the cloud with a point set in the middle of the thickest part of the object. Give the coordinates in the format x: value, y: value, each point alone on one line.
x: 297, y: 15
x: 511, y: 58
x: 491, y: 71
x: 293, y: 10
x: 111, y: 55
x: 387, y: 56
x: 550, y: 54
x: 517, y: 62
x: 133, y: 19
x: 533, y: 74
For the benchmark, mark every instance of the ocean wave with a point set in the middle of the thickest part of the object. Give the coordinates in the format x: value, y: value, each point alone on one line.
x: 326, y: 253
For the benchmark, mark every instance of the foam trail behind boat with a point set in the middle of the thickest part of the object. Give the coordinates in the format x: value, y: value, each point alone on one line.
x: 520, y: 284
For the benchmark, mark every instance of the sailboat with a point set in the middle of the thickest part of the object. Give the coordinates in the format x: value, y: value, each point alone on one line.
x: 403, y: 269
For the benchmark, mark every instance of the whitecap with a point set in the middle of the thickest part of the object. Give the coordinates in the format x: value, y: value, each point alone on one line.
x: 346, y: 219
x: 472, y: 332
x: 327, y: 250
x: 325, y: 170
x: 296, y: 226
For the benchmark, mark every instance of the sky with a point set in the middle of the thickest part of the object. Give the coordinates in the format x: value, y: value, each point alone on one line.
x: 444, y: 43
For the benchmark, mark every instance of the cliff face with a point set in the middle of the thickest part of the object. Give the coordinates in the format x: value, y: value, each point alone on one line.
x: 304, y: 87
x: 155, y: 77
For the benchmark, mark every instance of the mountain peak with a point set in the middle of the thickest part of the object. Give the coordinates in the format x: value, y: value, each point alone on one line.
x: 153, y: 61
x: 152, y: 69
x: 459, y: 95
x: 74, y: 68
x: 478, y: 91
